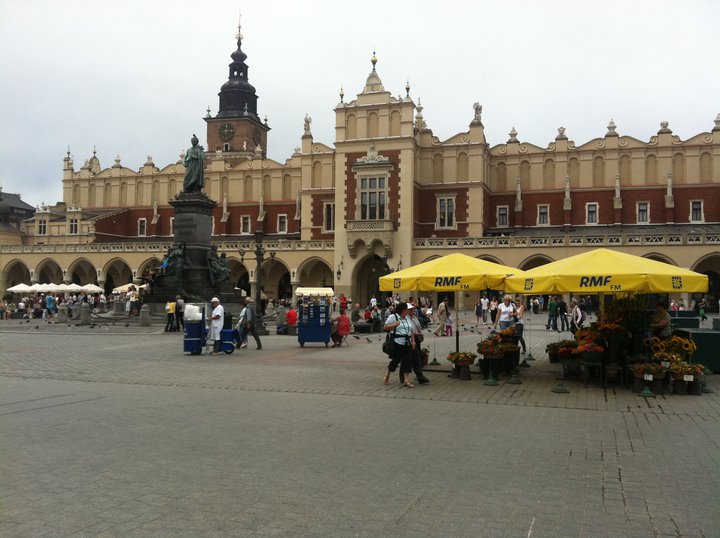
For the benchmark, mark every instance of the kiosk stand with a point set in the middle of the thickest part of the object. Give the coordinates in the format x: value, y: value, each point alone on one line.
x: 314, y: 315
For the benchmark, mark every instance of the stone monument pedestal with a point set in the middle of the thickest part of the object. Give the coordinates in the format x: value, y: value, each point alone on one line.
x: 190, y: 272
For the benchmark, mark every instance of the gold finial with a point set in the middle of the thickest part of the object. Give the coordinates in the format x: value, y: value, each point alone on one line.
x: 373, y: 60
x: 239, y: 35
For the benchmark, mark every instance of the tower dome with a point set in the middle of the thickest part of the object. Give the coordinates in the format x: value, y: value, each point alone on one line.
x: 237, y: 96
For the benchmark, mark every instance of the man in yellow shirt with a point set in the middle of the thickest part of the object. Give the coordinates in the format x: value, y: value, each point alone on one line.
x: 170, y: 326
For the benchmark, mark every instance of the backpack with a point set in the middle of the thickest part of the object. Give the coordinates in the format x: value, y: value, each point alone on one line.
x: 583, y: 316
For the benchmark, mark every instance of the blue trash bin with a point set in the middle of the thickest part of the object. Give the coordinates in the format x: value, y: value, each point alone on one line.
x: 195, y: 337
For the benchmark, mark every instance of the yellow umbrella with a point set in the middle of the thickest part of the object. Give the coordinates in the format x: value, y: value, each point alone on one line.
x: 607, y: 271
x: 454, y: 272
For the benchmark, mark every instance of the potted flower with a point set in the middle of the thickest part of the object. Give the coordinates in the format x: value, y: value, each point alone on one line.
x: 588, y: 347
x: 553, y: 349
x: 615, y: 336
x: 657, y: 371
x: 489, y: 345
x: 461, y: 364
x: 609, y: 330
x: 425, y: 354
x: 640, y: 369
x: 507, y: 347
x: 680, y: 369
x: 461, y: 358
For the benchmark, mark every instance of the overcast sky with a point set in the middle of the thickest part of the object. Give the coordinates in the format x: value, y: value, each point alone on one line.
x: 134, y: 78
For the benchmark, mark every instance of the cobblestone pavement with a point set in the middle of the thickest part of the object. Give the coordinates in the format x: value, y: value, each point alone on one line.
x: 113, y: 431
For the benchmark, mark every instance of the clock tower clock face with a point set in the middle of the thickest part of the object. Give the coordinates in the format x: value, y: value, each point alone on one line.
x: 226, y: 132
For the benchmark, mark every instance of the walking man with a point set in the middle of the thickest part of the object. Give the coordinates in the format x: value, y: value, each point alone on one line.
x: 250, y: 319
x: 441, y: 317
x: 562, y: 314
x: 179, y: 313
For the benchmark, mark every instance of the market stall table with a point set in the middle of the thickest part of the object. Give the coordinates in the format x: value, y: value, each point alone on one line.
x: 708, y: 346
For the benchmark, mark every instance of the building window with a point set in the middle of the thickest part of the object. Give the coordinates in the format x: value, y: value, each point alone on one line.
x: 502, y: 215
x: 643, y: 212
x: 73, y: 227
x: 372, y: 198
x: 42, y: 227
x: 172, y: 225
x: 696, y: 211
x: 591, y: 213
x: 142, y: 227
x: 282, y: 224
x: 245, y: 225
x: 543, y: 215
x: 329, y: 216
x: 445, y: 212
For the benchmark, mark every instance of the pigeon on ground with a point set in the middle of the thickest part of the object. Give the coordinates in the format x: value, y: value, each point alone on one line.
x: 37, y: 326
x: 356, y: 337
x: 368, y: 339
x: 127, y: 325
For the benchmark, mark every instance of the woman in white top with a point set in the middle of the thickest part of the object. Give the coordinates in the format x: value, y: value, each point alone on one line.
x: 506, y: 314
x: 520, y: 323
x: 402, y: 328
x: 575, y: 316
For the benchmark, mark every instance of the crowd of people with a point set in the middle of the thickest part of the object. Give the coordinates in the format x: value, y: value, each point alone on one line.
x: 45, y: 305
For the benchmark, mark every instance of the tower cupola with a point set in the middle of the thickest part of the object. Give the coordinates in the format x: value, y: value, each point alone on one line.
x: 237, y: 96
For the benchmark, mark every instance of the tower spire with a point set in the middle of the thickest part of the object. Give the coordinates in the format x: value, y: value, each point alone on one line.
x: 239, y: 35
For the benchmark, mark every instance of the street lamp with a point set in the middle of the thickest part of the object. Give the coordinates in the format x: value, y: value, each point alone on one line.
x: 259, y: 258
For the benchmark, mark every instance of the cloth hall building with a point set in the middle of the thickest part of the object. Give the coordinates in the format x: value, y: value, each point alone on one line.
x: 385, y: 194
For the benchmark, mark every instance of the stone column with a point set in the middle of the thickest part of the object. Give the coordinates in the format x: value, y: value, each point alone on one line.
x: 145, y: 316
x: 118, y: 308
x: 62, y: 316
x: 85, y: 313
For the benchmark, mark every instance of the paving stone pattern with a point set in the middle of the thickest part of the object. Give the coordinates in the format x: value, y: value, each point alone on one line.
x: 113, y: 431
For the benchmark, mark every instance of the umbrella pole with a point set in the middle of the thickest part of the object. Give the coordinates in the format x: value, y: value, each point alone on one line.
x: 529, y: 356
x: 457, y: 322
x: 434, y: 361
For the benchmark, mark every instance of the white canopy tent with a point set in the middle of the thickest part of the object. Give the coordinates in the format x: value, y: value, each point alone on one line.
x: 92, y: 288
x: 126, y: 287
x: 19, y: 288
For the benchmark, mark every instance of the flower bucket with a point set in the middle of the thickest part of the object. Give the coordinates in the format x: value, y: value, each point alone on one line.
x: 680, y: 387
x: 694, y: 387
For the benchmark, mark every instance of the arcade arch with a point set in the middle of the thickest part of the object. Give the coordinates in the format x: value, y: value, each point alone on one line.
x: 147, y: 267
x: 48, y: 272
x: 275, y: 279
x: 82, y: 272
x: 710, y: 265
x: 117, y: 272
x: 16, y: 272
x: 239, y: 275
x: 314, y: 272
x: 365, y: 276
